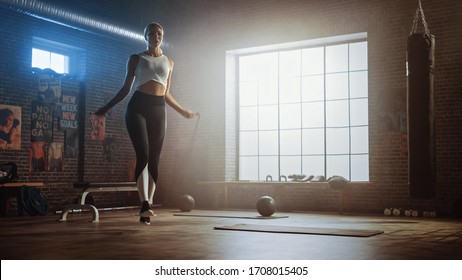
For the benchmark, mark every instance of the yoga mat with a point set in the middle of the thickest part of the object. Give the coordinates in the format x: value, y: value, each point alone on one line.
x: 228, y: 216
x: 302, y: 230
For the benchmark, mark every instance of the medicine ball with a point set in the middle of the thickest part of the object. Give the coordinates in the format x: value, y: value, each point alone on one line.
x: 266, y: 206
x: 186, y: 203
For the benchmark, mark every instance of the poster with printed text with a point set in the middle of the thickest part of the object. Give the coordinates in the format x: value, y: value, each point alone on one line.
x: 41, y: 122
x: 68, y: 112
x: 49, y: 88
x: 10, y: 127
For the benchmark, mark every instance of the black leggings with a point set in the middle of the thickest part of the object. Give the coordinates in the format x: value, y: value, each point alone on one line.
x: 146, y: 119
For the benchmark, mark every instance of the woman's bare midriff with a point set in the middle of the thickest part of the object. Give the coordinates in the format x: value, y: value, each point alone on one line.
x: 152, y: 88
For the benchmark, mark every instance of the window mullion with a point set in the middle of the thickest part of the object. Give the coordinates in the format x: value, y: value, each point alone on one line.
x: 349, y: 115
x: 258, y: 121
x: 279, y: 115
x: 325, y: 115
x: 301, y: 112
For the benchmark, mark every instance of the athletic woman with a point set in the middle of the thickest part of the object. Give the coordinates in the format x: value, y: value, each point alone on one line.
x: 149, y: 73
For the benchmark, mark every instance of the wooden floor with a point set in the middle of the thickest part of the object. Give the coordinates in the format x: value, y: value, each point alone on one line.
x: 118, y: 235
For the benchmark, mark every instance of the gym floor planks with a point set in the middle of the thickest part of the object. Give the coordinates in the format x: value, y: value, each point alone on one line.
x: 118, y: 235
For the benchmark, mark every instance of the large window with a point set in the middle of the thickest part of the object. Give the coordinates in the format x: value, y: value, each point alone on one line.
x: 304, y: 111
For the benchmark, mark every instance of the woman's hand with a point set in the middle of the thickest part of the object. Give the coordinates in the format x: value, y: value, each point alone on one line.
x: 189, y: 114
x: 101, y: 111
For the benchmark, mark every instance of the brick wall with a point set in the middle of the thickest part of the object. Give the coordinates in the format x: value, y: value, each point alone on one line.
x: 198, y: 33
x: 102, y: 67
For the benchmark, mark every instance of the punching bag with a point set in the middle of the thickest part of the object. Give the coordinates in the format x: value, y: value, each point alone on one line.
x: 420, y: 108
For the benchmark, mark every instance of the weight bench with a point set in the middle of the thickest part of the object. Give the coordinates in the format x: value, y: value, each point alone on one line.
x: 95, y: 187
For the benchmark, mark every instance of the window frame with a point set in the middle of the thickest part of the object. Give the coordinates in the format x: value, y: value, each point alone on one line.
x: 71, y: 52
x: 233, y: 76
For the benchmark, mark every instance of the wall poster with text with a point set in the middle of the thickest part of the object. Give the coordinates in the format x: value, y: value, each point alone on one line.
x: 41, y: 122
x: 49, y: 88
x: 69, y: 112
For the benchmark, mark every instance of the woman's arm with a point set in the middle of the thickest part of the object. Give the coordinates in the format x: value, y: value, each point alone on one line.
x: 172, y: 102
x: 126, y: 88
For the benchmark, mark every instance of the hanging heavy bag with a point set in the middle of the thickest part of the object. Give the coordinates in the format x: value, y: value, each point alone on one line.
x: 420, y: 105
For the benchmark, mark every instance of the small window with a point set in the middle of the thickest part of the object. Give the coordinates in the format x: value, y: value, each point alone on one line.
x: 60, y: 57
x: 46, y: 59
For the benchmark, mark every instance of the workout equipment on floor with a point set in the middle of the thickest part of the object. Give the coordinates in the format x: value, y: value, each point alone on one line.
x: 70, y: 209
x: 318, y: 178
x: 387, y: 211
x: 393, y: 212
x: 229, y: 216
x: 266, y: 206
x: 301, y: 178
x: 397, y: 212
x: 302, y: 230
x: 186, y: 203
x: 33, y: 200
x: 410, y: 213
x: 337, y: 182
x: 420, y: 105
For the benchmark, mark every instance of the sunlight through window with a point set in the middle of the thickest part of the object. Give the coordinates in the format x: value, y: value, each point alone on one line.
x: 304, y: 111
x: 45, y: 59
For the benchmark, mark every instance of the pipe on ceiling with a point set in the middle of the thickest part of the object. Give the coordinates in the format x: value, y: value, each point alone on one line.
x: 66, y: 18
